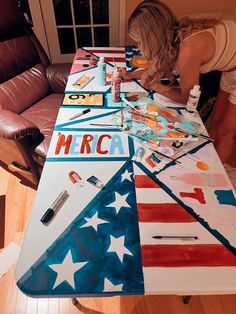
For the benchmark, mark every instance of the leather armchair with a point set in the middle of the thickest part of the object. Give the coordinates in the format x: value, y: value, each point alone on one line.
x: 31, y: 91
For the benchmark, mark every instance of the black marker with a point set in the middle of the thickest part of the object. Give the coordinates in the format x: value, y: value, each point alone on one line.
x: 50, y: 212
x: 80, y: 114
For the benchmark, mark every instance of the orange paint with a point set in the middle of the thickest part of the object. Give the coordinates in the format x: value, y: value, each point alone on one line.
x: 153, y: 108
x: 202, y: 165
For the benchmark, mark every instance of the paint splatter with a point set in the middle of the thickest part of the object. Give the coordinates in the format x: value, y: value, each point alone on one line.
x: 202, y: 165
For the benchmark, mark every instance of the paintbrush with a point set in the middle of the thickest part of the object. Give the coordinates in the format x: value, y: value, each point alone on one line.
x: 129, y: 104
x: 122, y: 113
x: 158, y: 153
x: 104, y: 124
x: 195, y: 134
x: 113, y: 59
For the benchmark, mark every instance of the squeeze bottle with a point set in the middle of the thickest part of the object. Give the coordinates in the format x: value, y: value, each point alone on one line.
x: 115, y: 86
x: 101, y: 72
x: 193, y: 99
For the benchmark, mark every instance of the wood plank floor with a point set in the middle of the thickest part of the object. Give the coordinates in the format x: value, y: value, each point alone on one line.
x: 19, y: 200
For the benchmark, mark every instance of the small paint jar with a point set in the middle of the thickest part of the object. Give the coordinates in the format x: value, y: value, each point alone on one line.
x: 76, y: 179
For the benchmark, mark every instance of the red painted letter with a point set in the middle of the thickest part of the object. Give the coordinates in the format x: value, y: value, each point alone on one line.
x: 87, y: 138
x: 63, y: 142
x: 99, y: 144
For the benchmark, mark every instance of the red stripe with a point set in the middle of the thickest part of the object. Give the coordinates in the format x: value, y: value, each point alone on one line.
x: 116, y: 59
x: 195, y: 255
x: 163, y: 213
x: 106, y: 51
x: 143, y: 181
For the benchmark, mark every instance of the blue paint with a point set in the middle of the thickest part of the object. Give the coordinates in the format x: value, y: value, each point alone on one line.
x: 88, y: 245
x: 116, y: 144
x: 162, y: 119
x: 225, y: 197
x: 187, y: 125
x: 94, y: 143
x: 74, y: 147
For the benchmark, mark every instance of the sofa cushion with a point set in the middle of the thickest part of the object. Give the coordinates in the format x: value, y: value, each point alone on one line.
x: 22, y: 91
x: 43, y: 114
x: 13, y: 60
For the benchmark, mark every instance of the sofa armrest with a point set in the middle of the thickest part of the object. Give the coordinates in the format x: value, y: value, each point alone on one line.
x: 14, y: 127
x: 57, y: 75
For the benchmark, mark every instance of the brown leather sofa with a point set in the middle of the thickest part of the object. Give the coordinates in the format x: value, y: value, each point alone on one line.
x: 31, y: 91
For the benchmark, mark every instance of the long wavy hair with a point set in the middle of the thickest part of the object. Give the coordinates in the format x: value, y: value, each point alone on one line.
x: 158, y: 34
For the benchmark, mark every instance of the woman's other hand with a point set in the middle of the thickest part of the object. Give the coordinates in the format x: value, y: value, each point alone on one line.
x: 147, y: 80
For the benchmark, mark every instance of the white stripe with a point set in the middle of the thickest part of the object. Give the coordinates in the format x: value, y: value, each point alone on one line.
x: 149, y: 229
x: 110, y: 55
x: 137, y: 170
x: 190, y: 280
x: 105, y: 48
x: 119, y: 64
x: 153, y: 196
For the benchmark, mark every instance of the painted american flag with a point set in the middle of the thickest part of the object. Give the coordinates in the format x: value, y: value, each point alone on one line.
x: 173, y: 260
x: 109, y: 248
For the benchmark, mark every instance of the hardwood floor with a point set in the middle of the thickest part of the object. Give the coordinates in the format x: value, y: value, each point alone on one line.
x: 18, y: 203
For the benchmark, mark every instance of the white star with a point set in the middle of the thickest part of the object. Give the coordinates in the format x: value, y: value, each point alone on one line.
x: 120, y: 201
x: 94, y: 221
x: 118, y: 246
x: 126, y: 175
x: 108, y: 286
x: 65, y: 271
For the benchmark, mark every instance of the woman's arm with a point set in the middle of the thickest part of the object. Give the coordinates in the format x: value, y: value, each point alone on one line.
x: 188, y: 64
x: 126, y: 75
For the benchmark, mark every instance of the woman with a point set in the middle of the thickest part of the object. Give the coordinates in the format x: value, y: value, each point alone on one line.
x: 188, y: 47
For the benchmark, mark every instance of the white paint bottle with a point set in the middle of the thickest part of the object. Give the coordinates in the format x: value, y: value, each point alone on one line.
x: 193, y: 99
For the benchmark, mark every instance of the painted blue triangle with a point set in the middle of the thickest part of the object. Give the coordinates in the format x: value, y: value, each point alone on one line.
x: 87, y: 245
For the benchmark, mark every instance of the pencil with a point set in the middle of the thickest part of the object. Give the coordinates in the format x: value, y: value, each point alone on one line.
x: 176, y: 237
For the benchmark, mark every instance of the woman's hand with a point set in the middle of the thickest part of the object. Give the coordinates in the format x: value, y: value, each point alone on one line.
x: 127, y: 76
x: 124, y: 74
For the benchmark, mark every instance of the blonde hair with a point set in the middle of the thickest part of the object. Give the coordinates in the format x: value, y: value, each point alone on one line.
x: 158, y: 34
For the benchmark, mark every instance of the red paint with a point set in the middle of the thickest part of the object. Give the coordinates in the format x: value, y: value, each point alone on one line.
x: 137, y: 117
x: 74, y: 177
x: 143, y: 181
x: 116, y: 59
x: 85, y: 145
x: 150, y: 162
x: 192, y: 255
x: 63, y: 142
x: 197, y: 194
x: 167, y: 213
x: 99, y: 144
